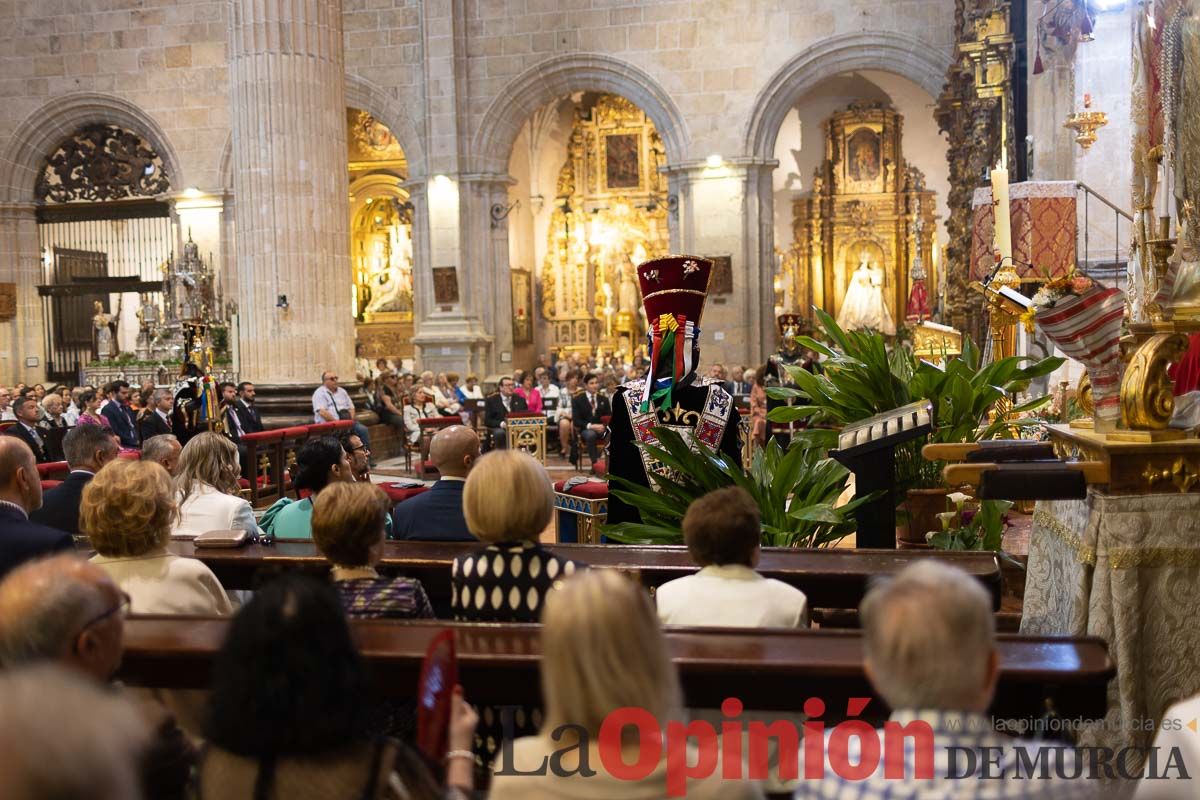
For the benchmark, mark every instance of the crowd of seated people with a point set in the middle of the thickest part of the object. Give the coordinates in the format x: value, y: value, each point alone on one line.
x: 290, y: 712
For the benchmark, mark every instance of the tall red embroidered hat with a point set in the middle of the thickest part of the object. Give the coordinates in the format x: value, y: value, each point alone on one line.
x: 674, y: 289
x: 790, y: 325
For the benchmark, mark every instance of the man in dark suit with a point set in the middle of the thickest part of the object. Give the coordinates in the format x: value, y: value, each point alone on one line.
x: 437, y: 515
x: 118, y: 413
x: 156, y: 421
x: 588, y: 409
x: 244, y: 410
x: 26, y: 409
x: 88, y: 448
x: 497, y: 407
x: 21, y: 493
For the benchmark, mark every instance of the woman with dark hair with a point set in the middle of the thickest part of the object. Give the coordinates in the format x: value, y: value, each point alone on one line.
x: 89, y: 403
x: 319, y: 462
x: 290, y: 715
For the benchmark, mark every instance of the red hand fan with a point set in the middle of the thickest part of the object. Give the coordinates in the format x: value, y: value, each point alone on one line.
x: 439, y: 676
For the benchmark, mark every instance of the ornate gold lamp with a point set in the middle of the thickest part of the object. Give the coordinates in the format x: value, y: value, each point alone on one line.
x: 1085, y: 123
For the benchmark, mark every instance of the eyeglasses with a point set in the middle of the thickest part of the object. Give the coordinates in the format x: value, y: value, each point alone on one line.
x: 362, y: 447
x: 121, y: 608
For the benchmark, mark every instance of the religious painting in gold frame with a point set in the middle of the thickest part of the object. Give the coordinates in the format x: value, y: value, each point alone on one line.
x: 621, y: 159
x: 445, y: 287
x: 522, y: 304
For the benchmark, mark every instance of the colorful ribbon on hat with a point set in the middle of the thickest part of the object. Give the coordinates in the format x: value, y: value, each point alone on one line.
x: 664, y: 344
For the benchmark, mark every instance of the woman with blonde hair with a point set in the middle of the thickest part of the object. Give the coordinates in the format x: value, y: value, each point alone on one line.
x: 207, y: 488
x: 602, y: 650
x: 507, y: 502
x: 127, y: 512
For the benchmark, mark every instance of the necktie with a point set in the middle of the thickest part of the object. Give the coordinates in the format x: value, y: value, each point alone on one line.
x: 592, y: 400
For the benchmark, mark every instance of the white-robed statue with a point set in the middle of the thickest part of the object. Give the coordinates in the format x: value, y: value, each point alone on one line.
x: 864, y: 306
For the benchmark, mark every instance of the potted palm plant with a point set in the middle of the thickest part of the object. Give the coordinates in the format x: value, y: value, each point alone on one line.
x: 796, y: 491
x: 861, y: 379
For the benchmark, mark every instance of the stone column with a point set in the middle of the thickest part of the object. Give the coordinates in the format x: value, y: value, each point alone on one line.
x: 292, y: 211
x: 726, y: 210
x: 23, y: 337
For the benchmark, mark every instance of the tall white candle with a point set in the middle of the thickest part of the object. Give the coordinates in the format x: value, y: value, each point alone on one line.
x: 1003, y: 227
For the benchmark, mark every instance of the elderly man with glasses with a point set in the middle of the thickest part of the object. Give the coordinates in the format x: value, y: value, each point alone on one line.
x: 66, y: 611
x: 331, y: 402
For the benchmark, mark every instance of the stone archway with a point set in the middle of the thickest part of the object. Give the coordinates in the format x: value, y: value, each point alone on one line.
x: 43, y: 130
x: 560, y: 76
x: 884, y: 51
x: 362, y: 94
x: 869, y: 50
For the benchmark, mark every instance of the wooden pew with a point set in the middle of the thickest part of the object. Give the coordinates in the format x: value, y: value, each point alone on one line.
x: 831, y: 578
x: 766, y: 669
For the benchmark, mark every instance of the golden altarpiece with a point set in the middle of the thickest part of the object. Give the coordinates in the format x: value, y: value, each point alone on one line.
x: 381, y: 251
x: 867, y: 206
x: 610, y: 214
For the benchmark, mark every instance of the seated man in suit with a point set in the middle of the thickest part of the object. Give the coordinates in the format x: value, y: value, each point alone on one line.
x: 588, y: 409
x: 88, y: 448
x: 497, y: 407
x: 437, y: 515
x: 26, y: 409
x: 156, y: 419
x: 244, y: 413
x: 20, y: 494
x: 118, y: 413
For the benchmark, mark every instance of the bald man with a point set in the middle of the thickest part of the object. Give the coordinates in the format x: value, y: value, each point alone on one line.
x: 21, y: 494
x: 437, y: 515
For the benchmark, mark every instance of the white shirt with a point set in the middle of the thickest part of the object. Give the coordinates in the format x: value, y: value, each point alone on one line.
x: 333, y: 401
x: 71, y: 415
x: 208, y: 509
x: 731, y: 596
x: 164, y: 583
x: 7, y: 414
x: 474, y: 393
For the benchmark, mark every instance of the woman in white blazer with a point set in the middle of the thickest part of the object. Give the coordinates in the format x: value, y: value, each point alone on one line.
x: 207, y: 488
x: 127, y: 511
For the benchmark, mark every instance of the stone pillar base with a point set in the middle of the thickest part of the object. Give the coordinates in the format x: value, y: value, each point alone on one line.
x: 454, y: 345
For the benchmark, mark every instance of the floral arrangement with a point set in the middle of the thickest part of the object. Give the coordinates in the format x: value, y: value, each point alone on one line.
x: 1053, y: 291
x: 971, y: 524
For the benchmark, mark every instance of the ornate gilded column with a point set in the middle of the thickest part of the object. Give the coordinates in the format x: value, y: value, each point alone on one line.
x: 292, y: 210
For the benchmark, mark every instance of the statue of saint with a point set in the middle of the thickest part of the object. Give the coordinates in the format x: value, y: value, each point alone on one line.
x: 864, y: 306
x: 148, y: 316
x: 628, y: 297
x: 105, y: 327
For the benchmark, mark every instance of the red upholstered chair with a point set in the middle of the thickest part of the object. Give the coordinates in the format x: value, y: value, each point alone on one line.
x: 6, y: 424
x: 429, y: 427
x: 264, y: 450
x: 130, y: 455
x: 293, y: 439
x: 581, y: 511
x: 48, y: 485
x: 54, y: 470
x: 398, y: 493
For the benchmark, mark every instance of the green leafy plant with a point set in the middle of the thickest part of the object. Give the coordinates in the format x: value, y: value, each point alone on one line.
x: 861, y: 379
x: 796, y: 491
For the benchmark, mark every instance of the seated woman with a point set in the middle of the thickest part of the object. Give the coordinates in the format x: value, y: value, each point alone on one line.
x: 291, y: 711
x: 529, y: 391
x: 387, y: 401
x: 594, y: 622
x: 420, y: 407
x: 320, y: 462
x: 348, y: 528
x: 126, y: 512
x: 507, y: 501
x: 723, y: 530
x: 444, y: 396
x: 470, y: 390
x: 90, y: 402
x: 207, y: 486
